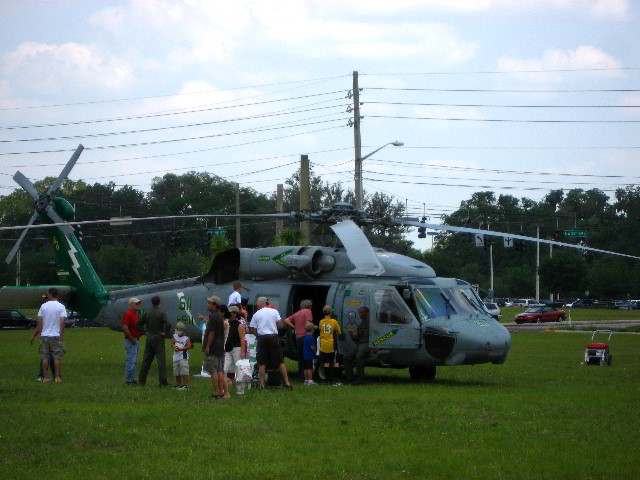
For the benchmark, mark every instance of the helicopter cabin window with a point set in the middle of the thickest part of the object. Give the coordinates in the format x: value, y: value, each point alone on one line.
x: 432, y: 303
x: 391, y: 308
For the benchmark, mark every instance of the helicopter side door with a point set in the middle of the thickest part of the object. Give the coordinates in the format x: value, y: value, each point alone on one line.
x: 392, y: 324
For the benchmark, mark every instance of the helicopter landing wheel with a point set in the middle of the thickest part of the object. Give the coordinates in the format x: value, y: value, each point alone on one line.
x: 422, y: 374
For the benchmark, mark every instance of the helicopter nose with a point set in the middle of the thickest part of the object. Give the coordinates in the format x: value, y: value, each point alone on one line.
x: 480, y: 341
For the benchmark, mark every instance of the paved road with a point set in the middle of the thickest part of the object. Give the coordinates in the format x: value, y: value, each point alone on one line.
x: 536, y: 327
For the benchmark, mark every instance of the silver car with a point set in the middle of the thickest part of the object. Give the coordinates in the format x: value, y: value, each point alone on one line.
x: 493, y: 309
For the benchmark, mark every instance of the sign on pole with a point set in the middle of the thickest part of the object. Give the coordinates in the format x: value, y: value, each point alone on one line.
x: 217, y: 231
x: 479, y: 240
x: 574, y: 232
x: 508, y: 242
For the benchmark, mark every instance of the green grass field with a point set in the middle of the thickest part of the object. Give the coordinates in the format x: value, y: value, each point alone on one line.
x: 541, y: 415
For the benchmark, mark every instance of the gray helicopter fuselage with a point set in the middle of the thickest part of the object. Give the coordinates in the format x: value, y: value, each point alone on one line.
x: 416, y: 318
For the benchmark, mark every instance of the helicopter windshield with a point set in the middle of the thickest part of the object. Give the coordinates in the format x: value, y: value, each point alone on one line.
x: 443, y: 302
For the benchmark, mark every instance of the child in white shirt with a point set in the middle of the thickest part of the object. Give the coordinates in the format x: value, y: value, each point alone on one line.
x: 181, y: 345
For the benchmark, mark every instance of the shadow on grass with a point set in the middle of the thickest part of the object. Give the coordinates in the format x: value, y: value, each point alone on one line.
x: 446, y: 382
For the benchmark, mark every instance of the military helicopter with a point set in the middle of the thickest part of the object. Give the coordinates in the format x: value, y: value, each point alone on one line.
x: 418, y: 320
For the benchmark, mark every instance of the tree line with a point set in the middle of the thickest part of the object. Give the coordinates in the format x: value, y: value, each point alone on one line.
x: 153, y: 251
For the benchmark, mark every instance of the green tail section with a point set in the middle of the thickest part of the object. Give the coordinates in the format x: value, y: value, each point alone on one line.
x: 88, y: 295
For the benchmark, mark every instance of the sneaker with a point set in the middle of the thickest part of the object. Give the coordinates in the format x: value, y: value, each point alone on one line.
x: 183, y: 388
x: 336, y: 384
x: 132, y: 382
x: 39, y: 379
x: 288, y: 386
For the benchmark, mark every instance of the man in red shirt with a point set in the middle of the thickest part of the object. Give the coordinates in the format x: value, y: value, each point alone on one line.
x: 297, y: 321
x: 131, y: 342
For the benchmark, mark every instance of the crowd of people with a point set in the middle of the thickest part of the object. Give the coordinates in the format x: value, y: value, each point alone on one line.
x: 225, y: 343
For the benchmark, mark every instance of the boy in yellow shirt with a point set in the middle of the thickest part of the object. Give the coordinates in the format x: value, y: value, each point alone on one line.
x: 329, y: 331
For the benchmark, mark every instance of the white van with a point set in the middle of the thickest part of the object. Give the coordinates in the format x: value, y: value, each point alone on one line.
x: 525, y: 302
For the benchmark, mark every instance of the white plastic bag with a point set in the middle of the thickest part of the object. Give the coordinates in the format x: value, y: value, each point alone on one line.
x: 244, y: 371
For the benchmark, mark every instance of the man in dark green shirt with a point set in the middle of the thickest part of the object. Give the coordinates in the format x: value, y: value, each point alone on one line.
x: 157, y: 327
x: 361, y: 350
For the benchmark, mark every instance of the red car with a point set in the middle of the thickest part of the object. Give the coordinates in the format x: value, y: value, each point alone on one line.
x: 540, y: 314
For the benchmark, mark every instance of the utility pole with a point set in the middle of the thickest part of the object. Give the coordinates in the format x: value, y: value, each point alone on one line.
x: 305, y: 226
x: 490, y: 260
x: 237, y: 212
x: 538, y: 264
x: 18, y: 268
x: 357, y: 142
x: 279, y: 207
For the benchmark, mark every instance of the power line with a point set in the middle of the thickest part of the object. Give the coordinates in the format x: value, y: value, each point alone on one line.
x: 495, y: 170
x: 485, y: 179
x: 187, y: 153
x: 496, y: 105
x: 161, y: 142
x: 181, y: 111
x: 92, y: 102
x: 497, y: 120
x: 173, y: 127
x: 489, y: 187
x: 554, y: 70
x: 497, y: 90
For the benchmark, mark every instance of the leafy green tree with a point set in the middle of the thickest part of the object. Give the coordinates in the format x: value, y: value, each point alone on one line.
x: 290, y: 236
x: 121, y: 265
x: 564, y: 274
x: 186, y: 264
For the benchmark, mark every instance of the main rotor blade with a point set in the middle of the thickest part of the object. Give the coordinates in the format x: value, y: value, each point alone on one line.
x: 25, y: 183
x: 358, y: 248
x: 272, y: 216
x: 16, y: 246
x: 65, y: 171
x: 53, y: 215
x: 477, y: 231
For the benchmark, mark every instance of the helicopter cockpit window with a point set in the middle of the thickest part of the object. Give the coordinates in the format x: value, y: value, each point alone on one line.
x: 431, y: 303
x: 391, y: 308
x: 443, y: 302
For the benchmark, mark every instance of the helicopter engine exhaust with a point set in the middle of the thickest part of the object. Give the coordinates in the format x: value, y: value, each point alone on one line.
x: 280, y: 262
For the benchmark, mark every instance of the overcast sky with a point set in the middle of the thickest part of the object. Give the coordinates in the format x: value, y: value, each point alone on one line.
x: 242, y: 88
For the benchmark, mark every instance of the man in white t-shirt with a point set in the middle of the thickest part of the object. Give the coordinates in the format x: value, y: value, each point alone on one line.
x: 51, y: 329
x: 236, y: 298
x: 264, y: 324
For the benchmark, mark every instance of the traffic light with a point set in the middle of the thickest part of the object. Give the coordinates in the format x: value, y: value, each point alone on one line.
x: 79, y: 233
x: 422, y: 231
x: 206, y: 238
x: 519, y: 245
x: 487, y: 245
x: 556, y: 235
x: 176, y: 239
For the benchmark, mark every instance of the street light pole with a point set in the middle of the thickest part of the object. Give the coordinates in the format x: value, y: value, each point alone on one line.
x: 358, y: 175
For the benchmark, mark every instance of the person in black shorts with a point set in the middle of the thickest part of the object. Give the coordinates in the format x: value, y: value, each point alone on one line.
x: 264, y: 324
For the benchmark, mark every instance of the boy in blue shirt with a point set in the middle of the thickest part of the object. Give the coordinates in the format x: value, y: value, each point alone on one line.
x: 308, y: 352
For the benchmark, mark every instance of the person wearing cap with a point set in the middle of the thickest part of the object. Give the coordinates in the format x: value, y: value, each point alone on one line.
x: 131, y: 342
x: 235, y: 345
x: 157, y: 326
x: 361, y: 350
x: 297, y: 322
x: 236, y: 298
x: 264, y: 324
x: 213, y: 347
x: 181, y: 346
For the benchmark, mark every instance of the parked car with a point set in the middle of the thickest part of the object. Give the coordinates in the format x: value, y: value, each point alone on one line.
x: 539, y: 314
x: 581, y: 303
x: 630, y: 305
x: 616, y: 304
x: 502, y: 302
x: 493, y: 309
x: 15, y: 319
x: 86, y: 323
x: 525, y: 302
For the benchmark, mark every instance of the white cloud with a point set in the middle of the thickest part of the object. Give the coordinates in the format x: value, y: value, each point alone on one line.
x: 605, y: 9
x: 583, y: 57
x: 46, y: 67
